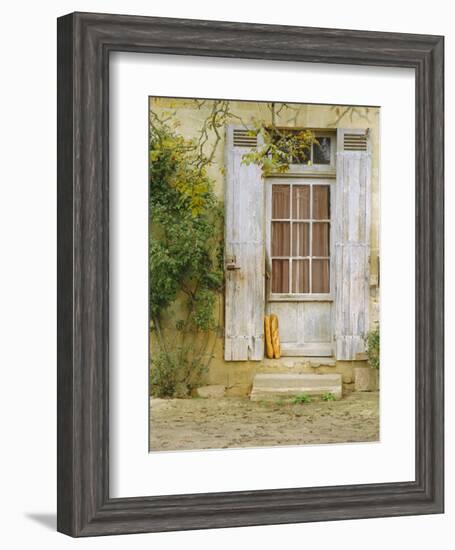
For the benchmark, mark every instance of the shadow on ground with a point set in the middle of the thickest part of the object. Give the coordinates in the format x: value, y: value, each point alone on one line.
x: 47, y: 520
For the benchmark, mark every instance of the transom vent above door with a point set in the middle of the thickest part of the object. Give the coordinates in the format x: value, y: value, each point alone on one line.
x: 244, y: 138
x: 355, y: 142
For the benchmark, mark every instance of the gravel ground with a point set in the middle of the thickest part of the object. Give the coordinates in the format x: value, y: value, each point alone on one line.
x: 183, y: 424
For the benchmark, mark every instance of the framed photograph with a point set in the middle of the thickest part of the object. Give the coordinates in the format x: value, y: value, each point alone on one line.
x: 250, y: 274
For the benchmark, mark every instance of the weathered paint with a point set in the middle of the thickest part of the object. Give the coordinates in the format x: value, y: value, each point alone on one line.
x: 352, y: 250
x: 244, y: 256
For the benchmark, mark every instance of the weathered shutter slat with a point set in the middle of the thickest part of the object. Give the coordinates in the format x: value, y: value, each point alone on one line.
x: 352, y: 242
x: 244, y: 252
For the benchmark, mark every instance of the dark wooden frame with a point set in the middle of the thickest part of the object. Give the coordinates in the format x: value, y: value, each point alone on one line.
x: 84, y: 43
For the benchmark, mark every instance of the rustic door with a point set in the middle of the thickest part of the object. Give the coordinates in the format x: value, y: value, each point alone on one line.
x: 299, y: 263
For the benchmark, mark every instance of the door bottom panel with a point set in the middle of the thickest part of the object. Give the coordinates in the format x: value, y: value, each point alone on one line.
x: 309, y: 350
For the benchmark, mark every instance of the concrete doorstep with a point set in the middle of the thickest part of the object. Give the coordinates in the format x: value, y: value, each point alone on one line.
x: 269, y: 386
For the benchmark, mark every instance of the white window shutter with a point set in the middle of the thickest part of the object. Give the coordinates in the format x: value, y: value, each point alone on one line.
x: 244, y: 251
x: 352, y: 242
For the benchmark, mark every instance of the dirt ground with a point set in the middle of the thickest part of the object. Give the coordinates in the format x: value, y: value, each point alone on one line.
x: 179, y: 424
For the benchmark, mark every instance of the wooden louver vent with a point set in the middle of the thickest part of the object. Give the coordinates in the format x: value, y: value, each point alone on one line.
x: 355, y: 142
x: 244, y: 138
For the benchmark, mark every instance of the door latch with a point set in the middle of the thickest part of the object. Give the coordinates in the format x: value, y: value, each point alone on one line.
x: 231, y: 264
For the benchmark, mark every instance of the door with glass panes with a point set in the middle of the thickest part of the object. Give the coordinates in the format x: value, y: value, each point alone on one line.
x: 299, y: 284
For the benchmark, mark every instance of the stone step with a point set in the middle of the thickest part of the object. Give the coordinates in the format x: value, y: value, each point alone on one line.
x: 295, y: 362
x: 266, y: 386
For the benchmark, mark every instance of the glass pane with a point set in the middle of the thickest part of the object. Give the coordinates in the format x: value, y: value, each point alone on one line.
x: 321, y: 239
x: 281, y: 241
x: 281, y: 203
x: 321, y: 276
x: 321, y: 202
x: 300, y: 239
x: 301, y: 202
x: 280, y: 276
x: 300, y: 276
x: 321, y: 151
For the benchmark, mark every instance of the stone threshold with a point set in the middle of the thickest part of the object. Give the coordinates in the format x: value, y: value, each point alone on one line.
x: 293, y: 362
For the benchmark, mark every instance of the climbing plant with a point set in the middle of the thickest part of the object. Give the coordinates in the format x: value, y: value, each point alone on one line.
x: 373, y: 347
x: 185, y: 260
x: 280, y: 141
x: 278, y: 148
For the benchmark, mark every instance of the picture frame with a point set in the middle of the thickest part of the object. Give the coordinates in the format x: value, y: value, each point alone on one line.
x: 85, y: 507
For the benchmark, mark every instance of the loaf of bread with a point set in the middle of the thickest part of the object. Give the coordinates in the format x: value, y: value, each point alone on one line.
x: 268, y: 338
x: 275, y: 335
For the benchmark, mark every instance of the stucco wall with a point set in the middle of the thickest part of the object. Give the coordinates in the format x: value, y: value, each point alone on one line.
x: 237, y: 376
